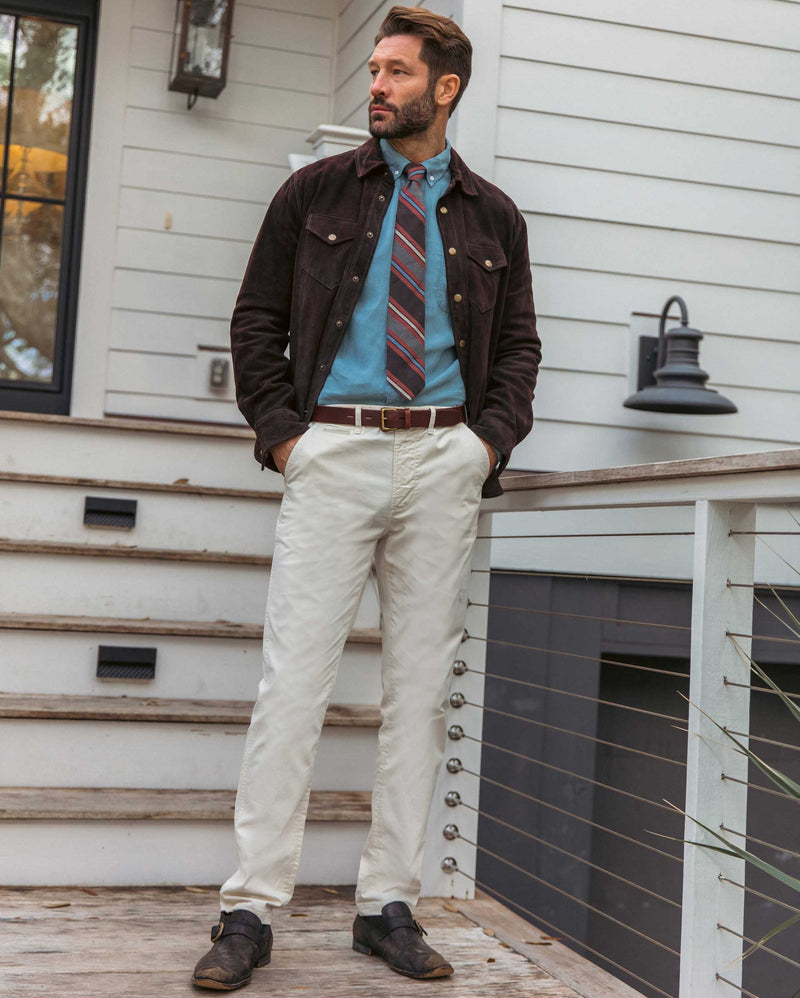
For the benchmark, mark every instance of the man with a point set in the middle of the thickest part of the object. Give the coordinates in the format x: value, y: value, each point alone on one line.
x: 401, y: 283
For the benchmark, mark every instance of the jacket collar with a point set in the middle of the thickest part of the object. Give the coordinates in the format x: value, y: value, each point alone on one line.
x: 369, y: 158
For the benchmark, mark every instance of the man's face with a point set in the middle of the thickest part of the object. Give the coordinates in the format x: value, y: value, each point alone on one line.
x: 402, y: 97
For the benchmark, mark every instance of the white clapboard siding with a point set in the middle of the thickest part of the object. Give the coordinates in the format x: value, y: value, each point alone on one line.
x: 132, y: 330
x: 754, y: 22
x: 195, y: 185
x: 639, y: 51
x: 590, y: 244
x: 619, y: 196
x: 210, y: 177
x: 604, y: 145
x: 611, y: 95
x: 186, y: 667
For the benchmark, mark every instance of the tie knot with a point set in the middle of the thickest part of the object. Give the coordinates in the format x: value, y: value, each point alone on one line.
x: 414, y: 171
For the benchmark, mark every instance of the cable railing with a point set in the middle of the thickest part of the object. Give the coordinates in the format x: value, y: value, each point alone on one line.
x: 603, y: 677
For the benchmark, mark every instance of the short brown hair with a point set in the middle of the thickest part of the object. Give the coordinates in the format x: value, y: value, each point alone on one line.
x: 445, y: 47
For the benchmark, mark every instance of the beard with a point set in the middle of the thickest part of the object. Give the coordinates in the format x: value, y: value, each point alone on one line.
x: 411, y: 118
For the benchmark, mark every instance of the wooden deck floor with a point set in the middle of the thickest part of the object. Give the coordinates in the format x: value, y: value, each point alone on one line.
x: 144, y: 942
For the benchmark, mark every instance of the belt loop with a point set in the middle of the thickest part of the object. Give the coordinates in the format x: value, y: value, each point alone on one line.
x: 358, y: 427
x: 432, y: 419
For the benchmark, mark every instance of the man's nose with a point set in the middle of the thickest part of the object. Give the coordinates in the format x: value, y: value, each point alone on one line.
x: 378, y: 86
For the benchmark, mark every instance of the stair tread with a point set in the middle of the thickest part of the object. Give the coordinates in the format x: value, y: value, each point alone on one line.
x: 180, y: 487
x: 114, y: 804
x: 150, y: 626
x: 83, y: 550
x: 120, y: 708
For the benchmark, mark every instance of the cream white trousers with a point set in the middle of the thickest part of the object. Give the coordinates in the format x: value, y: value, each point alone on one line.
x: 407, y: 500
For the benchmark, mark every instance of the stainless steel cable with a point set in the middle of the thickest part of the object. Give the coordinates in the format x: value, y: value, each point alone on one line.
x: 578, y: 696
x: 581, y: 616
x: 758, y: 894
x: 572, y: 855
x: 581, y: 577
x: 760, y: 689
x: 759, y: 786
x: 571, y: 897
x: 567, y: 772
x: 588, y: 658
x: 766, y: 741
x: 563, y: 934
x: 738, y: 988
x: 764, y: 637
x: 578, y: 536
x: 763, y: 949
x: 760, y: 842
x: 568, y: 814
x: 576, y: 734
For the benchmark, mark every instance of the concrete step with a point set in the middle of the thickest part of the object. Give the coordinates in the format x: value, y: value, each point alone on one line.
x: 48, y: 508
x: 132, y: 449
x: 131, y: 583
x: 110, y: 836
x: 209, y: 661
x: 38, y: 752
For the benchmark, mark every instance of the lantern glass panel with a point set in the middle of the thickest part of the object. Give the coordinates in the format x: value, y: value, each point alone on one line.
x: 205, y: 39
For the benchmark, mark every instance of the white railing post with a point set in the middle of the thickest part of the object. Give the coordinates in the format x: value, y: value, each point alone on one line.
x: 721, y: 555
x: 436, y: 881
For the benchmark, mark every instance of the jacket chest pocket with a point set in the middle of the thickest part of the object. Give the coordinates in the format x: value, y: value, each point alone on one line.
x: 326, y: 247
x: 486, y: 262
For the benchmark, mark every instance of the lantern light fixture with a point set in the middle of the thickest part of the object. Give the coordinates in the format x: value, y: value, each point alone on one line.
x: 200, y: 41
x: 670, y: 376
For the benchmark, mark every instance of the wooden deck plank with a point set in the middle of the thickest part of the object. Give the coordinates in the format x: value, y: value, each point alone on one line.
x: 135, y: 804
x: 130, y: 551
x: 144, y: 942
x: 179, y: 487
x: 147, y: 625
x: 118, y: 708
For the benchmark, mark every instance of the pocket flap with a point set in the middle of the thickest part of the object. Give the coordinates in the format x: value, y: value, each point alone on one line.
x: 488, y: 256
x: 332, y: 230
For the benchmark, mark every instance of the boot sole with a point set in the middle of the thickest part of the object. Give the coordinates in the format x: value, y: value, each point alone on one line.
x: 439, y: 972
x: 218, y: 986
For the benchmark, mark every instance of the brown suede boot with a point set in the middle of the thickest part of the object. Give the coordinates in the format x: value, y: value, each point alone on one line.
x: 397, y: 938
x: 241, y: 942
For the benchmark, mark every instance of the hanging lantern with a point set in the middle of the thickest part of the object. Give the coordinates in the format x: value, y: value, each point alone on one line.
x: 200, y: 43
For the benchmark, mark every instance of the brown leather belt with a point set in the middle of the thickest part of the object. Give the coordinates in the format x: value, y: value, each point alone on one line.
x: 389, y: 417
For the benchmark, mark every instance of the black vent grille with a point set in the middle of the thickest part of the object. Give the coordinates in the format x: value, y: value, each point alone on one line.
x: 125, y: 663
x: 103, y: 512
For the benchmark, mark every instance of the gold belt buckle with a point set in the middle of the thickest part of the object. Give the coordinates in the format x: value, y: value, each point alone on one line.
x: 384, y: 410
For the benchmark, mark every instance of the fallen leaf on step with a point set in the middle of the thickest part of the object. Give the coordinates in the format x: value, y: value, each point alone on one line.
x: 299, y: 914
x: 329, y: 890
x: 88, y: 890
x: 56, y: 904
x: 490, y: 959
x: 450, y: 907
x: 488, y: 932
x: 504, y: 945
x: 197, y: 890
x: 181, y: 481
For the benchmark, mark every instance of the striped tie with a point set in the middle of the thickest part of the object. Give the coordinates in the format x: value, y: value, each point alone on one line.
x: 405, y: 334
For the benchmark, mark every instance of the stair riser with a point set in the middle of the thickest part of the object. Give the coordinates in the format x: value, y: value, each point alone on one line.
x: 136, y: 588
x: 43, y: 752
x: 91, y: 452
x: 116, y: 853
x: 37, y: 512
x: 190, y: 668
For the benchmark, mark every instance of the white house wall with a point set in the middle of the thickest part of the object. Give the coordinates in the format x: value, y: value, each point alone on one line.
x: 193, y: 188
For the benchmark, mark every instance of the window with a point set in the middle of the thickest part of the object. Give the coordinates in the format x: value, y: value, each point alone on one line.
x: 45, y: 62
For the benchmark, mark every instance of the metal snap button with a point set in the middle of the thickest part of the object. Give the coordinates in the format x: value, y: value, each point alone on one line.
x: 452, y: 251
x: 488, y: 263
x: 457, y: 298
x: 332, y: 236
x: 355, y: 278
x: 443, y: 210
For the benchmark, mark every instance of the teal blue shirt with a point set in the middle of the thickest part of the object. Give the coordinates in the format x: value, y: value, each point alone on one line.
x: 358, y: 373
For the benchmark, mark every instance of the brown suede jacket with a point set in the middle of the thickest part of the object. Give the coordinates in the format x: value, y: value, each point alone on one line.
x: 308, y: 266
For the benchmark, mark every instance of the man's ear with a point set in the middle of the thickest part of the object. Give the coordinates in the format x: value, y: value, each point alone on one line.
x: 447, y: 88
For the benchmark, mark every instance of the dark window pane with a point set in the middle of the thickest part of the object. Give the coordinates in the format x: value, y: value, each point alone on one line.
x: 44, y: 82
x: 6, y: 44
x: 29, y: 277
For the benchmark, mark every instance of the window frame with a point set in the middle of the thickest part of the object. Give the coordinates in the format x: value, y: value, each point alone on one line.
x: 54, y: 397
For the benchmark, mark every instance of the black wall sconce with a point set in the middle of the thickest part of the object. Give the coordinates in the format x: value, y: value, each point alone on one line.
x: 670, y: 376
x: 200, y: 42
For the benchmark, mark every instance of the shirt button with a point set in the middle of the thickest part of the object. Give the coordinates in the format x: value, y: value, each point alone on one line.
x: 332, y: 237
x: 488, y: 263
x: 443, y: 210
x: 339, y: 322
x: 457, y: 298
x: 452, y: 251
x: 381, y: 197
x: 355, y: 278
x: 370, y: 235
x: 462, y: 343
